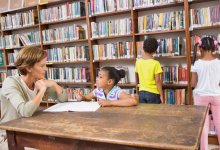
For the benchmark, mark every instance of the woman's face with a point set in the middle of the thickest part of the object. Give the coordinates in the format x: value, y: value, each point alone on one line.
x: 38, y: 71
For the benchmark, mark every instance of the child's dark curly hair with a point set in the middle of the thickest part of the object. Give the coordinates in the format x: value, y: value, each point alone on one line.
x: 150, y: 45
x: 114, y: 74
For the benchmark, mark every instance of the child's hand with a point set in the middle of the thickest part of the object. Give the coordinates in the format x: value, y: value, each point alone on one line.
x: 79, y: 96
x: 104, y: 103
x: 162, y: 100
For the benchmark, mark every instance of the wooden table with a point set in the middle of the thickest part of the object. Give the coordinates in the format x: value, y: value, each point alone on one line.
x: 146, y: 126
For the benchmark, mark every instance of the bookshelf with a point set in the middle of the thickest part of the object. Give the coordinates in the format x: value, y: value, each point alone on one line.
x: 132, y: 11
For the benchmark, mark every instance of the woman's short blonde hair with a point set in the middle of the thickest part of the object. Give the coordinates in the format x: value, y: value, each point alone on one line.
x: 28, y: 57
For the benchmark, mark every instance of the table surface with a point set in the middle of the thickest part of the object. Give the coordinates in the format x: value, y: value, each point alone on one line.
x: 145, y: 125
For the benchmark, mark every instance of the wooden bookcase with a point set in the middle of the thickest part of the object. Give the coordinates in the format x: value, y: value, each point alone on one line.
x: 135, y: 36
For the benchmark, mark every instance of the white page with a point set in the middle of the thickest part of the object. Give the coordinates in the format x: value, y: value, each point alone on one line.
x: 74, y: 106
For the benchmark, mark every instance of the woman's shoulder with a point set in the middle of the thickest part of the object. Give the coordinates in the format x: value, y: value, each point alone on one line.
x: 11, y: 80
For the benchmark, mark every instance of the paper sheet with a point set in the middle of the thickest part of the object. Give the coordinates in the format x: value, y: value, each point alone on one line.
x: 74, y: 106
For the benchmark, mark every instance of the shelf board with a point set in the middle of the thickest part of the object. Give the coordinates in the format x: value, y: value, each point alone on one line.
x: 10, y: 66
x: 64, y: 21
x: 76, y: 83
x: 66, y: 63
x: 127, y: 84
x: 199, y: 1
x: 159, y: 6
x: 14, y: 48
x: 111, y: 13
x: 21, y: 28
x: 174, y: 85
x: 2, y: 67
x: 160, y: 32
x: 206, y: 27
x: 112, y: 37
x: 57, y: 43
x: 108, y: 60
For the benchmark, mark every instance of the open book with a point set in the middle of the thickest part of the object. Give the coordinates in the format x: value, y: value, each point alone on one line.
x: 73, y: 106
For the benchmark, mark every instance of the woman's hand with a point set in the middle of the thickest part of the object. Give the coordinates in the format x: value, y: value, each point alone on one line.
x: 50, y: 83
x: 40, y: 84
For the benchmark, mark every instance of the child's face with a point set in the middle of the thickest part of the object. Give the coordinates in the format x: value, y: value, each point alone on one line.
x: 102, y: 80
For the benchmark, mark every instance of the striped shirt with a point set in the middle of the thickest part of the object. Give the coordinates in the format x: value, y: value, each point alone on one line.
x: 112, y: 95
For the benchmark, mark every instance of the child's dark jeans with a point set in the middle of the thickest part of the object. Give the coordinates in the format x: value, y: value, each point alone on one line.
x: 148, y: 97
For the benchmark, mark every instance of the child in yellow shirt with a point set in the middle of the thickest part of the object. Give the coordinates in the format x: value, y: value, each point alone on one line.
x: 149, y: 74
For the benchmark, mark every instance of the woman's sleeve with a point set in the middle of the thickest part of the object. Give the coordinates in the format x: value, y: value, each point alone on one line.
x: 13, y: 93
x: 62, y: 97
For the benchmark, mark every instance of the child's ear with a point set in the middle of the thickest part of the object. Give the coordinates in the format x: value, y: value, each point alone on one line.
x: 110, y: 81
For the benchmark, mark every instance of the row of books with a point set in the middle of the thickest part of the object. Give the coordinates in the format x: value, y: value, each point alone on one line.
x: 62, y: 12
x: 23, y: 39
x: 177, y: 96
x: 207, y: 16
x: 17, y: 20
x: 1, y: 43
x: 12, y: 57
x: 2, y: 58
x: 113, y: 51
x: 3, y: 76
x: 68, y: 54
x: 161, y: 21
x: 111, y: 27
x: 68, y: 74
x: 175, y: 74
x: 151, y: 3
x: 103, y: 6
x: 167, y: 47
x: 12, y: 72
x: 62, y: 34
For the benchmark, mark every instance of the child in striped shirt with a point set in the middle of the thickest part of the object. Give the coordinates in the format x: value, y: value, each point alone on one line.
x: 107, y: 91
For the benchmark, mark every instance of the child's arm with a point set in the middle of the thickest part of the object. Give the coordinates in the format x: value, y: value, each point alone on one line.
x: 194, y: 79
x: 87, y: 97
x: 159, y: 86
x: 124, y: 100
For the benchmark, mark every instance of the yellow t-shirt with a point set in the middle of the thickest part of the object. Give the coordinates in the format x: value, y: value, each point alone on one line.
x: 147, y: 69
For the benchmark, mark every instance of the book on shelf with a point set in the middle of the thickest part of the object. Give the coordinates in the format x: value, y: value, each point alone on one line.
x: 20, y: 19
x: 111, y: 28
x: 62, y: 12
x: 167, y: 47
x: 118, y: 50
x: 69, y: 74
x: 1, y: 58
x: 207, y: 16
x: 151, y: 3
x: 161, y: 21
x: 175, y: 74
x: 98, y: 7
x: 175, y: 96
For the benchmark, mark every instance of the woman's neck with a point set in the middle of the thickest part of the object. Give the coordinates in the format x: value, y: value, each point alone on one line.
x: 29, y: 81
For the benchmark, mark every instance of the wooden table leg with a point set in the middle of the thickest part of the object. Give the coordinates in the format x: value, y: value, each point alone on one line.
x: 12, y: 144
